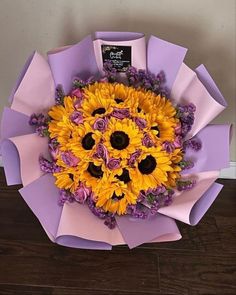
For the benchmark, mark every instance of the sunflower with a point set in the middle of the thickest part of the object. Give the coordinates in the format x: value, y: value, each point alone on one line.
x: 60, y: 126
x: 93, y: 174
x: 174, y: 175
x: 162, y: 123
x: 83, y: 141
x: 67, y: 179
x: 114, y: 197
x: 122, y: 138
x: 152, y: 168
x: 97, y: 101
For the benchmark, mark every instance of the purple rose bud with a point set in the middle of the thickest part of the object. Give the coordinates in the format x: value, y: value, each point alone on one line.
x: 101, y: 152
x: 141, y: 123
x: 77, y: 93
x: 178, y: 129
x: 69, y: 159
x: 168, y: 146
x: 100, y: 124
x: 147, y: 141
x: 113, y: 164
x: 53, y: 149
x: 82, y: 193
x: 120, y: 113
x: 133, y: 158
x: 76, y: 117
x: 104, y: 80
x: 178, y: 141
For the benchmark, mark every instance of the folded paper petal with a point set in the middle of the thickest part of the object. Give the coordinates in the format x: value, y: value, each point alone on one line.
x: 75, y: 242
x: 188, y: 88
x: 29, y: 155
x: 210, y: 85
x: 204, y: 203
x: 20, y: 77
x: 11, y: 162
x: 14, y: 124
x: 166, y: 57
x: 42, y: 198
x: 36, y: 92
x: 135, y: 40
x: 138, y: 231
x: 78, y: 220
x: 118, y: 36
x: 214, y: 154
x: 77, y: 60
x: 182, y: 205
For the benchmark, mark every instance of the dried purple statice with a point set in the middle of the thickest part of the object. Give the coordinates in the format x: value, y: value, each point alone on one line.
x: 183, y: 185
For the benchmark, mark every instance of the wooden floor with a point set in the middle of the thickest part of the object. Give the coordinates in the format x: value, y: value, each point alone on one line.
x: 203, y: 262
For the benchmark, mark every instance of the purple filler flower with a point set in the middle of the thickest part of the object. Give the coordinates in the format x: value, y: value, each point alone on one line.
x: 37, y: 120
x: 141, y: 123
x: 113, y: 164
x: 69, y: 159
x: 147, y: 141
x: 120, y: 113
x: 76, y: 117
x: 82, y: 193
x: 100, y: 124
x: 101, y: 152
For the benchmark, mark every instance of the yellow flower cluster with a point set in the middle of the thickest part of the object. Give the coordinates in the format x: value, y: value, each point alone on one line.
x: 114, y: 137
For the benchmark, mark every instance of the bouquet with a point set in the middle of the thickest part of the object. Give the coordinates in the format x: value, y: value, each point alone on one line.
x: 110, y: 139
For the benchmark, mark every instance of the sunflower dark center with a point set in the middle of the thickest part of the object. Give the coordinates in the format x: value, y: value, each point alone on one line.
x: 115, y: 197
x: 118, y: 100
x: 124, y: 176
x: 98, y: 111
x: 148, y: 165
x: 157, y: 129
x: 119, y: 140
x: 71, y: 176
x: 139, y: 110
x: 88, y: 141
x: 94, y: 170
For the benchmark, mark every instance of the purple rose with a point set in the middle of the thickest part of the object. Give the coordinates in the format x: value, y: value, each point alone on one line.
x: 69, y: 159
x: 120, y: 113
x: 147, y: 141
x: 100, y: 124
x: 82, y: 193
x: 76, y: 117
x: 101, y: 152
x: 141, y: 123
x: 168, y: 146
x: 133, y: 158
x: 113, y: 164
x: 77, y: 92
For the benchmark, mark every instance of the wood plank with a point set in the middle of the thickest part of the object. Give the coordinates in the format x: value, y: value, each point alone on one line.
x: 192, y: 273
x: 51, y: 265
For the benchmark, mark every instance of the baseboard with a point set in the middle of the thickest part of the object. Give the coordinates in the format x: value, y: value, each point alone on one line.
x: 230, y: 172
x: 227, y: 173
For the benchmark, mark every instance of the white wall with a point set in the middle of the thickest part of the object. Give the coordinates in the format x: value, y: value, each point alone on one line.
x: 206, y: 27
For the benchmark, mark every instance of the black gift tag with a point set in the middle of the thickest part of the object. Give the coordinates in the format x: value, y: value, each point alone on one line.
x: 120, y: 56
